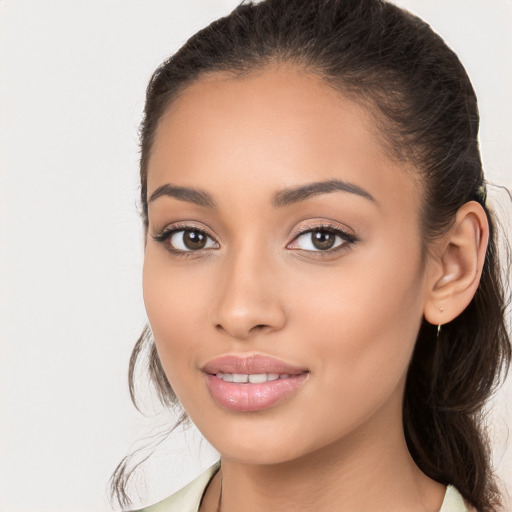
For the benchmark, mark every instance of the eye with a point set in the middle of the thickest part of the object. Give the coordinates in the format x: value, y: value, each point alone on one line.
x: 322, y: 239
x: 182, y: 239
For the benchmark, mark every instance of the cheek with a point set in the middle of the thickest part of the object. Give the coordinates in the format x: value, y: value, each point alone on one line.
x: 362, y: 323
x: 174, y: 309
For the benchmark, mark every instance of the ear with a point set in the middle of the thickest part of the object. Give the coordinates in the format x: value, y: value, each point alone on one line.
x: 455, y: 265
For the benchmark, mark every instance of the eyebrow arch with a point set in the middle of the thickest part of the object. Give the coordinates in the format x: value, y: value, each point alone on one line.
x: 282, y: 198
x: 199, y: 197
x: 290, y: 196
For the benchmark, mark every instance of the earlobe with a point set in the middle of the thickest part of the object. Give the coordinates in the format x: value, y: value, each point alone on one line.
x: 457, y: 265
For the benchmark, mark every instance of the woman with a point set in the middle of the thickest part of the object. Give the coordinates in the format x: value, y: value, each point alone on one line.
x: 320, y: 272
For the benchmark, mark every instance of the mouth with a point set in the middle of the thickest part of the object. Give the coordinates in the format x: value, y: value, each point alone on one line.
x: 253, y: 383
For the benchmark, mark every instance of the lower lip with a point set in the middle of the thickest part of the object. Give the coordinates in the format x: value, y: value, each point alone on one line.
x: 246, y: 397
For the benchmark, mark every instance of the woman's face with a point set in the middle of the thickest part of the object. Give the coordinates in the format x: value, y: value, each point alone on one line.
x: 324, y: 285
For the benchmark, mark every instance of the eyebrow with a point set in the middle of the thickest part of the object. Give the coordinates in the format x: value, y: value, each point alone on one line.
x: 294, y: 195
x: 191, y: 195
x: 282, y: 198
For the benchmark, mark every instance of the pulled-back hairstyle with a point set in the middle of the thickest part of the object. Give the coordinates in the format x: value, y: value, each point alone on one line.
x: 393, y: 64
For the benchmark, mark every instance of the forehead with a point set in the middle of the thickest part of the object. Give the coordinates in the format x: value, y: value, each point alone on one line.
x: 278, y: 127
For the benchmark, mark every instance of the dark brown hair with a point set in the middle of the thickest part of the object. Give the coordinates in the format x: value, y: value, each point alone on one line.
x: 395, y: 65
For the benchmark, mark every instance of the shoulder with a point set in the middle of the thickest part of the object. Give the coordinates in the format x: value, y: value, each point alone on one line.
x: 454, y: 502
x: 188, y: 498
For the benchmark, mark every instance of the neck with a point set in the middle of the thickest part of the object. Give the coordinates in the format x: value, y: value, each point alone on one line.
x: 365, y: 471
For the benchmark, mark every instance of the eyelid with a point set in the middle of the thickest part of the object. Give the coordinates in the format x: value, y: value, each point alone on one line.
x: 181, y: 226
x: 322, y: 224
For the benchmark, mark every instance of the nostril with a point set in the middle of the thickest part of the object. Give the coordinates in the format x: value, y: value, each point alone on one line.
x: 259, y: 327
x: 243, y: 333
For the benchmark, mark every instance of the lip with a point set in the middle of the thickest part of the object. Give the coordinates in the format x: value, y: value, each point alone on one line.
x: 256, y: 363
x: 248, y: 397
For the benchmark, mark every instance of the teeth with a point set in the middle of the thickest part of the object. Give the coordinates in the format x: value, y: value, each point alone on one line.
x: 253, y: 378
x: 258, y: 378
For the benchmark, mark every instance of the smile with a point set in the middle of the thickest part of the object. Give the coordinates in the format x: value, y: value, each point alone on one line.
x: 253, y: 382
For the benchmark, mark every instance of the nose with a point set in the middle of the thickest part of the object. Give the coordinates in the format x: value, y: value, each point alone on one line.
x: 249, y: 297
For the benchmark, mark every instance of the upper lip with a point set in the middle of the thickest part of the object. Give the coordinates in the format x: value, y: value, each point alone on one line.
x: 250, y: 365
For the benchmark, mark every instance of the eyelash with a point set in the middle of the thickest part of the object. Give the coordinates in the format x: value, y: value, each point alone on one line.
x: 164, y: 235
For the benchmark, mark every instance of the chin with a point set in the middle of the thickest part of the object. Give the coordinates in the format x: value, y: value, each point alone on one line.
x: 255, y: 445
x: 254, y: 456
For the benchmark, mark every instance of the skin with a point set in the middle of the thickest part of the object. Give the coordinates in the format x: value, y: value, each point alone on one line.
x: 350, y: 317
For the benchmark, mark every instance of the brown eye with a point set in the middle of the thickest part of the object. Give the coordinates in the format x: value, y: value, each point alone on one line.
x: 193, y: 240
x: 185, y: 240
x: 323, y: 240
x: 189, y: 240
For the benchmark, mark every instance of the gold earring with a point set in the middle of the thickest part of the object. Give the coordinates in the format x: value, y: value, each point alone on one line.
x: 439, y: 326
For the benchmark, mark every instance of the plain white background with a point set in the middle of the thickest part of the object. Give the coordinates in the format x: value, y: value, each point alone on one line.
x: 72, y: 82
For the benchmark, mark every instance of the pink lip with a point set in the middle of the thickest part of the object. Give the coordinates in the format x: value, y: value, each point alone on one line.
x: 247, y: 397
x: 250, y: 364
